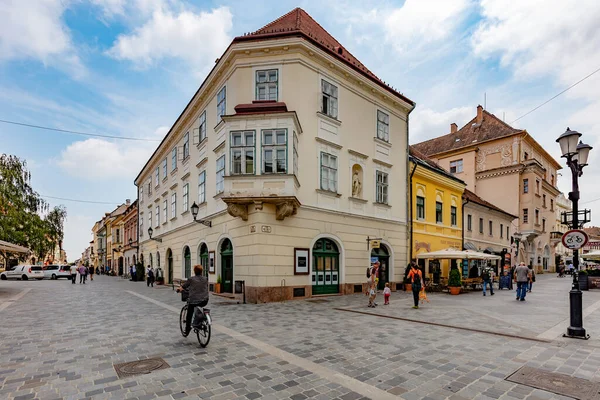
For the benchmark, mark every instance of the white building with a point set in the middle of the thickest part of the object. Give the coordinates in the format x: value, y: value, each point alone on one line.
x: 296, y: 153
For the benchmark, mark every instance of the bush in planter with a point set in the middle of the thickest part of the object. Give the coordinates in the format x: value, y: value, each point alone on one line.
x: 454, y: 279
x: 593, y: 272
x: 139, y: 271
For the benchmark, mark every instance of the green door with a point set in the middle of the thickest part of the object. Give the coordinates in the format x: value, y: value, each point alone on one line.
x: 383, y: 256
x: 227, y: 266
x: 326, y: 267
x: 170, y: 266
x: 187, y: 260
x: 204, y: 259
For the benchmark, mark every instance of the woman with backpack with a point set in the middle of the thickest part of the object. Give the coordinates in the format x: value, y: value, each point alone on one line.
x: 532, y: 279
x: 372, y: 284
x: 416, y: 278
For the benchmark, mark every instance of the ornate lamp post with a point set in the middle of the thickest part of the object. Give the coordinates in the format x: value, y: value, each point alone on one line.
x: 576, y: 154
x: 195, y: 209
x: 150, y: 232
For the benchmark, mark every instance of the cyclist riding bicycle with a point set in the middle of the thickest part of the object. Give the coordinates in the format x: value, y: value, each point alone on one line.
x: 197, y: 286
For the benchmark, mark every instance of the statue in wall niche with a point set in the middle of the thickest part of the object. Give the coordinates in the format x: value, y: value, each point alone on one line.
x: 356, y: 184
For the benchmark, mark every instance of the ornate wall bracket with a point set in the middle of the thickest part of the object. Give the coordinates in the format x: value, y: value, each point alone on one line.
x: 238, y: 210
x: 285, y: 206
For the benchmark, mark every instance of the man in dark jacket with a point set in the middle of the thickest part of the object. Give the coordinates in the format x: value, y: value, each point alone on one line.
x: 197, y: 285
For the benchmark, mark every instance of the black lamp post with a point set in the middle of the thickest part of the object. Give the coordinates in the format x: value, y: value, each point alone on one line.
x: 576, y: 154
x: 131, y: 245
x: 195, y: 209
x: 150, y: 232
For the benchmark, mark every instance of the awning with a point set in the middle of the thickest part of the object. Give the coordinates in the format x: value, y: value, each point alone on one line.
x: 455, y: 254
x: 12, y: 248
x: 470, y: 246
x: 592, y: 255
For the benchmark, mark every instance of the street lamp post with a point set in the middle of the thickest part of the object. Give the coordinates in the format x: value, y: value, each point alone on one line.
x: 576, y: 154
x: 150, y: 232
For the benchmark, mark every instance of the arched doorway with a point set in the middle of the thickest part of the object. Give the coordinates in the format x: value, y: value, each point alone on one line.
x: 203, y: 258
x: 187, y: 262
x: 383, y: 256
x: 151, y: 261
x: 120, y: 266
x: 227, y: 266
x: 326, y: 267
x: 134, y: 260
x: 157, y: 259
x: 546, y: 259
x: 169, y: 266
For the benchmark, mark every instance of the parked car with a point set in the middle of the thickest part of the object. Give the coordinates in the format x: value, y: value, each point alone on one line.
x: 23, y: 272
x: 57, y: 271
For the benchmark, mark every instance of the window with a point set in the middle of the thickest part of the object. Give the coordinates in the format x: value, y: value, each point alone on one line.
x: 420, y: 207
x: 329, y: 104
x: 551, y: 204
x: 381, y: 192
x: 456, y: 166
x: 383, y: 126
x: 157, y: 209
x: 552, y: 179
x: 491, y: 228
x: 469, y: 223
x: 543, y: 224
x: 525, y: 185
x: 149, y: 218
x: 266, y: 85
x: 480, y: 225
x: 141, y: 193
x: 174, y: 159
x: 242, y: 152
x: 142, y: 225
x: 537, y: 217
x: 525, y: 216
x: 156, y: 176
x: 164, y: 211
x: 328, y: 172
x: 164, y: 168
x: 221, y: 103
x: 525, y: 156
x: 544, y: 201
x: 186, y: 145
x: 507, y: 232
x: 186, y: 196
x: 453, y: 215
x: 202, y: 187
x: 295, y: 154
x: 220, y: 174
x: 537, y: 186
x: 149, y: 186
x: 173, y: 205
x: 274, y: 145
x: 439, y: 212
x: 118, y: 235
x: 501, y: 231
x: 202, y: 127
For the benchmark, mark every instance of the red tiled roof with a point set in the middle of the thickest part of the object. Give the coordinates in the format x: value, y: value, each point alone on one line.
x: 593, y: 232
x: 417, y: 155
x: 261, y: 107
x: 298, y: 23
x: 472, y: 133
x: 472, y: 197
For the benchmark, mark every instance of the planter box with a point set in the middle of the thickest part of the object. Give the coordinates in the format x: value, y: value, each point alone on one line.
x: 583, y: 282
x: 408, y: 287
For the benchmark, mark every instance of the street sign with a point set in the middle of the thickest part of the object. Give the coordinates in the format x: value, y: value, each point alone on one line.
x: 375, y: 244
x: 575, y: 239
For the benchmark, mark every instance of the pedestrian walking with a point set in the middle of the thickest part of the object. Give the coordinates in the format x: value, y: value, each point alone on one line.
x: 91, y: 273
x: 81, y: 274
x: 416, y: 279
x: 531, y: 279
x: 488, y: 279
x: 73, y: 273
x: 386, y: 294
x: 149, y: 277
x: 522, y: 276
x: 374, y: 280
x: 133, y: 274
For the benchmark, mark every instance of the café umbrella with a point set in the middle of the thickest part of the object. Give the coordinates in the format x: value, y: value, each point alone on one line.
x: 455, y: 254
x: 593, y: 255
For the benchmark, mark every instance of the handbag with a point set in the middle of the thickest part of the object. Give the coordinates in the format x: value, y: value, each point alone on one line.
x: 185, y: 295
x: 423, y: 296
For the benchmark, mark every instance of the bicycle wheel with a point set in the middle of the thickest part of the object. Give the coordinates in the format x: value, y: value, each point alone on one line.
x: 182, y: 317
x: 203, y: 333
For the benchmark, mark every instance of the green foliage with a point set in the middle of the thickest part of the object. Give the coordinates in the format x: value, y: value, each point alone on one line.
x: 454, y: 279
x: 140, y: 271
x: 593, y: 272
x: 21, y: 210
x: 219, y: 279
x: 583, y: 272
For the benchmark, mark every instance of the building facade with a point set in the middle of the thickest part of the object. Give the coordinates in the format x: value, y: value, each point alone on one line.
x: 130, y: 232
x: 508, y: 168
x: 562, y: 205
x: 288, y: 151
x: 437, y: 221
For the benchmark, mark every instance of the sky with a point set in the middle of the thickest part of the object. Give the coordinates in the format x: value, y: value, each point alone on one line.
x: 127, y: 68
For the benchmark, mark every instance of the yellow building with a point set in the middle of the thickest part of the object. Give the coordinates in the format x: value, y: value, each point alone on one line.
x: 436, y: 211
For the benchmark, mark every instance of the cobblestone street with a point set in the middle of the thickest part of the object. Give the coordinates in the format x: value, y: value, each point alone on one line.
x: 61, y: 340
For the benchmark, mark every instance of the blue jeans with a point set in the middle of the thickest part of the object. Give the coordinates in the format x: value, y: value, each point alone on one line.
x: 530, y: 285
x: 521, y: 290
x: 488, y: 282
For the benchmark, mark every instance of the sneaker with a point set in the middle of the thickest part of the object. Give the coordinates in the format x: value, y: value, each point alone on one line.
x: 370, y: 306
x: 492, y: 294
x: 415, y: 307
x: 376, y: 304
x: 484, y: 294
x: 522, y: 299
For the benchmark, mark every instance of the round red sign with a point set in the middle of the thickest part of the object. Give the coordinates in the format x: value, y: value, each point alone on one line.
x: 575, y: 239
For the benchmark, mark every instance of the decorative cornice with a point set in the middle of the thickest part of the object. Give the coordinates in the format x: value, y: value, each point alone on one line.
x: 328, y: 143
x: 202, y: 162
x: 219, y: 147
x: 357, y: 154
x: 381, y: 162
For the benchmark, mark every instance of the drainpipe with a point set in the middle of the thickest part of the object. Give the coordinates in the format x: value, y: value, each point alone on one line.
x: 410, y: 211
x: 409, y: 198
x: 463, y: 223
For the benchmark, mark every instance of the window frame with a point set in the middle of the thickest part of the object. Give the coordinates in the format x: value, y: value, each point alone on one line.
x: 469, y: 222
x: 157, y: 209
x: 185, y: 198
x: 328, y: 169
x: 202, y: 187
x: 157, y: 176
x: 173, y: 205
x: 526, y: 215
x: 164, y: 168
x: 267, y: 84
x: 295, y: 154
x: 220, y: 175
x: 383, y: 126
x: 329, y: 101
x: 141, y: 191
x: 221, y: 103
x: 439, y: 212
x: 382, y: 187
x: 501, y: 231
x: 525, y: 185
x: 186, y: 146
x: 420, y: 207
x: 165, y: 214
x: 202, y: 127
x: 457, y: 165
x: 491, y: 227
x: 481, y: 226
x: 174, y: 159
x: 274, y: 148
x: 243, y: 149
x: 453, y: 216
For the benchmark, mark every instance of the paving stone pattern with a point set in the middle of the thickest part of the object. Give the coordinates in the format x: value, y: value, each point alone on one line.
x: 61, y: 341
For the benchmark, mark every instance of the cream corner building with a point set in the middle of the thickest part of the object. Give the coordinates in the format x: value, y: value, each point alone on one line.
x: 295, y: 153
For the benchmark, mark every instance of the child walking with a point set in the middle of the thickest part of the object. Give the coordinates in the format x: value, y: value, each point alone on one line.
x: 386, y: 294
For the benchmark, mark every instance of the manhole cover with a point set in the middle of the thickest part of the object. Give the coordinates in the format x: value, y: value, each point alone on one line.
x: 565, y: 385
x: 140, y: 367
x: 318, y: 301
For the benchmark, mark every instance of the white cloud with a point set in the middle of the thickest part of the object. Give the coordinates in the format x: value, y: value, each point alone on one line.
x: 35, y: 30
x: 130, y: 8
x: 426, y: 123
x: 197, y: 38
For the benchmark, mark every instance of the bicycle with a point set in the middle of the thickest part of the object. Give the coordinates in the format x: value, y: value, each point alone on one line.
x: 201, y: 325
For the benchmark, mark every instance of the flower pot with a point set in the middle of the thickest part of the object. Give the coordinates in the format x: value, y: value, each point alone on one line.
x: 217, y: 288
x: 408, y: 287
x: 454, y: 290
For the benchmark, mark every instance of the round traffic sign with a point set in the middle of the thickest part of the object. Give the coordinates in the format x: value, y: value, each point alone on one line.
x: 575, y: 239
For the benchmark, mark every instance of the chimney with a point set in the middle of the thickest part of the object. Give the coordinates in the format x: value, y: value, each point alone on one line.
x: 453, y: 127
x: 479, y: 115
x: 128, y: 201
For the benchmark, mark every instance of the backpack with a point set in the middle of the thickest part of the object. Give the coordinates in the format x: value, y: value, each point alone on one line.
x: 485, y: 276
x: 368, y: 272
x: 150, y: 274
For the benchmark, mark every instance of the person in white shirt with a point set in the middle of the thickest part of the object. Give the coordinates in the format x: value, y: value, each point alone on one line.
x: 73, y: 273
